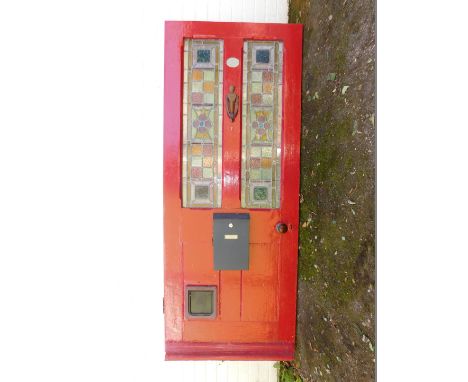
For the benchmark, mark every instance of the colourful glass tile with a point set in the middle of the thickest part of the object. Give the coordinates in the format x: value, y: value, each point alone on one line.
x: 268, y: 99
x: 257, y: 87
x: 267, y: 87
x: 197, y: 149
x: 266, y: 152
x: 208, y: 162
x: 266, y: 162
x: 256, y: 151
x: 261, y: 126
x: 267, y: 76
x: 197, y: 97
x: 262, y: 56
x: 209, y: 98
x: 260, y: 193
x: 255, y: 174
x: 254, y: 162
x: 257, y: 76
x: 207, y: 173
x: 208, y: 86
x: 196, y: 161
x: 202, y: 192
x: 203, y: 55
x: 207, y: 150
x: 266, y: 174
x: 209, y: 75
x: 202, y: 124
x: 196, y: 172
x: 256, y: 99
x: 197, y: 87
x: 197, y: 75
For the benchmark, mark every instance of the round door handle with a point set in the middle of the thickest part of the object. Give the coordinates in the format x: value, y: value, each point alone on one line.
x: 282, y: 227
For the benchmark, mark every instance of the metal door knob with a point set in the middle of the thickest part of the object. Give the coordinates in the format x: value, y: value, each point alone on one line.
x: 282, y: 228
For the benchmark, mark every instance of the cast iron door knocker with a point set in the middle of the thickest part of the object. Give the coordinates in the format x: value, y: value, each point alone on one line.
x: 232, y: 103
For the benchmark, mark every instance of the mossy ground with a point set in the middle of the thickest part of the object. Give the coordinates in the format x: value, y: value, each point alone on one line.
x: 336, y: 296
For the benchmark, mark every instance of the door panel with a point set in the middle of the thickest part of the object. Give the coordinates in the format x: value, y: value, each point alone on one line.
x: 260, y: 284
x: 198, y: 263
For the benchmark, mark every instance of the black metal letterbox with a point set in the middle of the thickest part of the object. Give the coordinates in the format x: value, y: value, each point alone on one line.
x: 231, y: 241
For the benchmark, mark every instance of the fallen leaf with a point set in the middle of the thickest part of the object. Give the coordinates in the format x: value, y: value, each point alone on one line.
x: 343, y: 91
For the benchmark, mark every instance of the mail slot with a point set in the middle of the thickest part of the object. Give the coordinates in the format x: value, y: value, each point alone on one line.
x: 232, y: 125
x: 231, y: 241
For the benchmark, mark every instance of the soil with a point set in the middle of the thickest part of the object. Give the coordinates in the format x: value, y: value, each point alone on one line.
x: 336, y: 294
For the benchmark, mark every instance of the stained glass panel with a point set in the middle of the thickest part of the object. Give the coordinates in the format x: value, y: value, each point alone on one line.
x: 261, y: 124
x: 202, y: 123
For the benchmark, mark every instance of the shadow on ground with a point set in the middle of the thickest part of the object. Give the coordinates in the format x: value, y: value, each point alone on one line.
x: 336, y: 323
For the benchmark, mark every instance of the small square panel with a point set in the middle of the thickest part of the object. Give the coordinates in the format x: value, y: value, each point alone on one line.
x: 260, y: 193
x: 267, y: 76
x: 203, y: 55
x: 197, y: 75
x: 200, y: 302
x: 262, y: 56
x: 196, y: 149
x: 266, y: 173
x: 196, y: 172
x: 209, y: 98
x: 255, y: 174
x: 267, y: 87
x: 207, y: 173
x: 256, y: 151
x: 208, y: 75
x: 196, y: 161
x: 257, y: 87
x: 197, y: 87
x: 267, y: 99
x: 254, y: 162
x: 197, y: 98
x: 202, y: 192
x: 208, y: 162
x: 256, y: 76
x: 207, y: 150
x: 266, y: 162
x: 266, y: 152
x: 208, y: 86
x: 256, y: 99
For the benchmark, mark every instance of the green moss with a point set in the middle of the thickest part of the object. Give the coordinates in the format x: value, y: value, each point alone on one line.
x: 336, y: 237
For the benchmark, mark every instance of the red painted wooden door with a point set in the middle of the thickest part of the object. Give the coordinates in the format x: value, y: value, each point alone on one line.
x: 215, y: 165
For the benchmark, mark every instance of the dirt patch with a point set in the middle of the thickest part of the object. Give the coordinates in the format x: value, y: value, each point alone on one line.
x: 336, y: 296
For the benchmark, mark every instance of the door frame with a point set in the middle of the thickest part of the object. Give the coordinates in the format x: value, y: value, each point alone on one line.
x: 282, y: 348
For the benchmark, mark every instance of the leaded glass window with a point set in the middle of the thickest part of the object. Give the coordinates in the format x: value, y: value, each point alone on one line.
x: 261, y: 124
x: 202, y: 123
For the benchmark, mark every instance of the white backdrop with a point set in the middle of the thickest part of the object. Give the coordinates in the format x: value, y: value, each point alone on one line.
x: 81, y: 272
